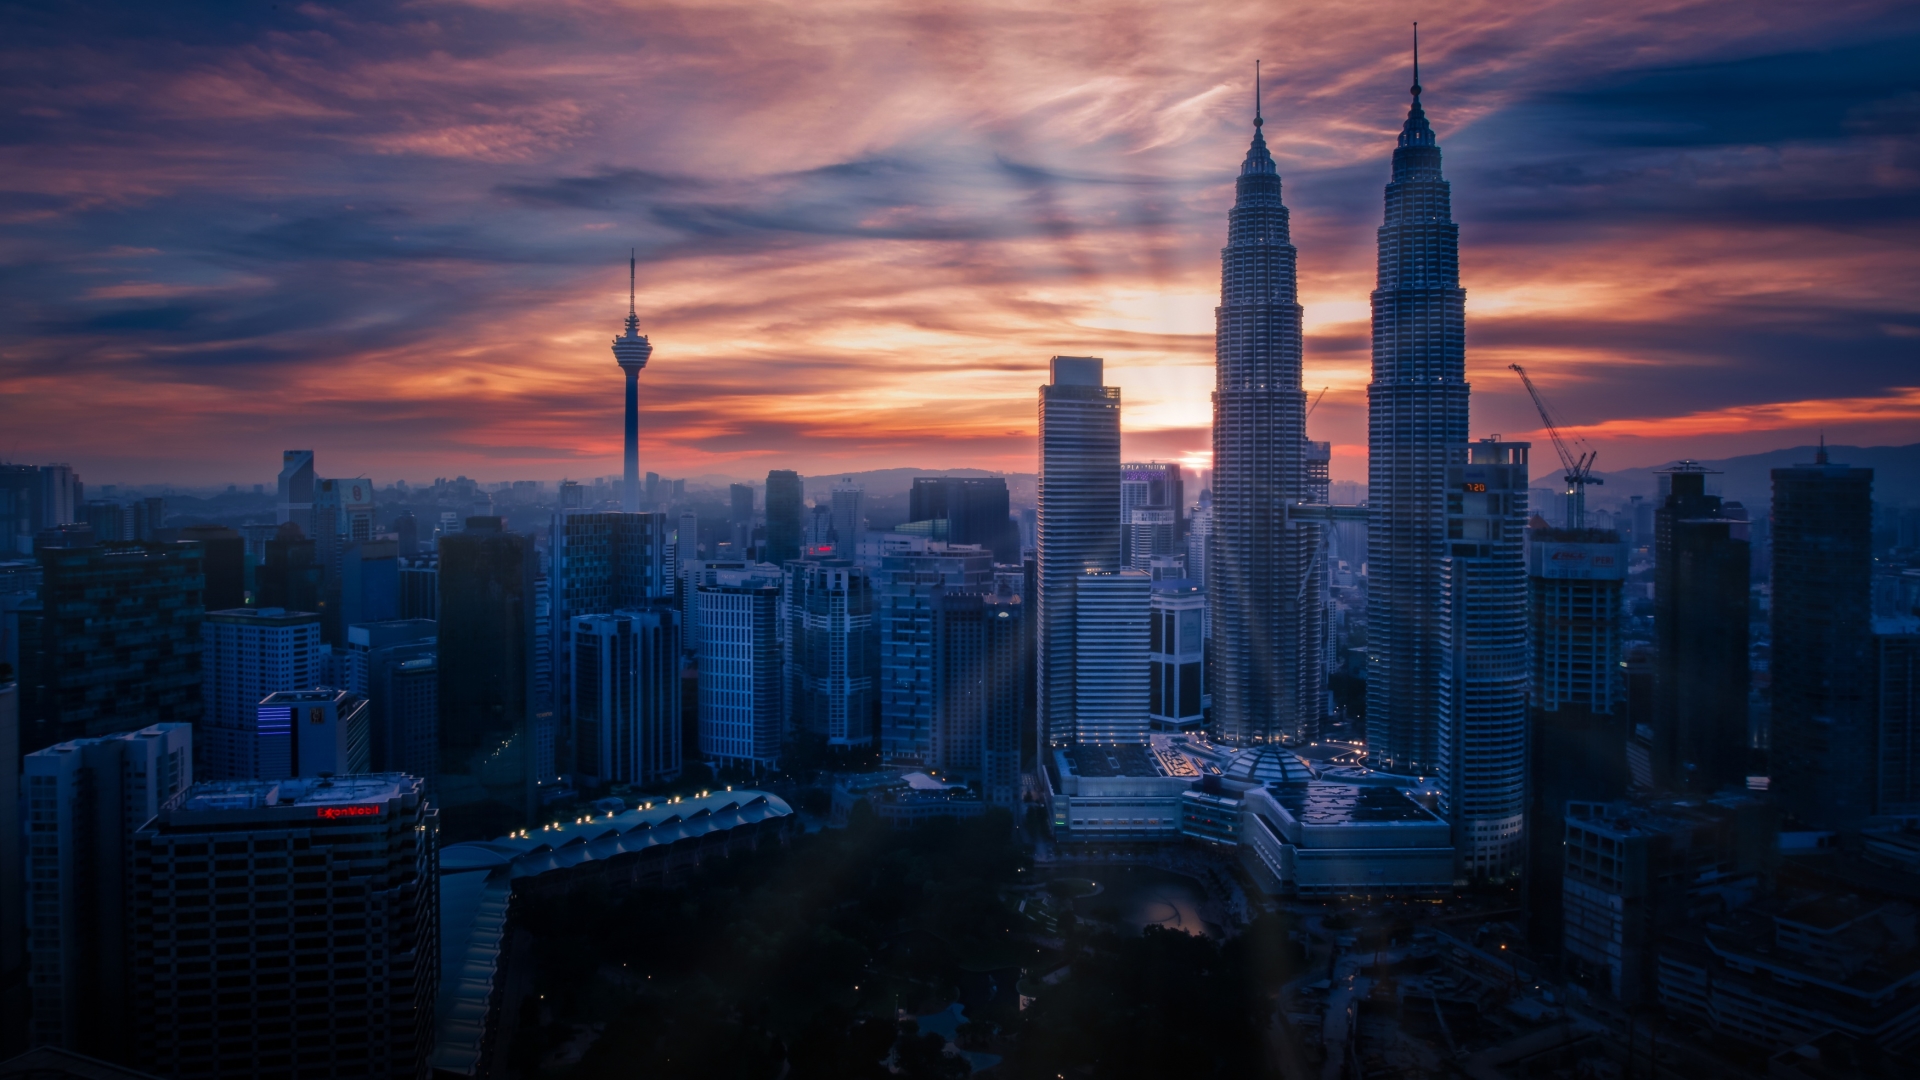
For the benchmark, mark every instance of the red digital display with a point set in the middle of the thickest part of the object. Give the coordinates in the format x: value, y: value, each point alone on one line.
x: 346, y: 811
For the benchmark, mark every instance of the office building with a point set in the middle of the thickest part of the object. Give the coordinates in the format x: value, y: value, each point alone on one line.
x: 1199, y: 538
x: 742, y: 713
x: 909, y: 583
x: 1264, y: 570
x: 419, y: 586
x: 392, y: 665
x: 819, y: 539
x: 975, y: 509
x: 1111, y: 642
x: 740, y: 518
x: 1576, y: 619
x: 1700, y: 565
x: 119, y: 641
x: 1078, y: 521
x: 319, y: 732
x: 1895, y: 688
x: 1635, y: 871
x: 223, y: 562
x: 1176, y: 654
x: 697, y: 572
x: 13, y: 889
x: 485, y: 657
x: 1154, y: 489
x: 1822, y: 727
x: 324, y: 897
x: 959, y: 680
x: 601, y: 563
x: 1483, y: 684
x: 294, y: 503
x: 406, y: 531
x: 1007, y: 676
x: 84, y: 800
x: 626, y: 697
x: 631, y: 350
x: 849, y: 517
x: 832, y: 651
x: 786, y: 499
x: 247, y: 654
x: 289, y: 575
x: 19, y: 509
x: 1416, y: 412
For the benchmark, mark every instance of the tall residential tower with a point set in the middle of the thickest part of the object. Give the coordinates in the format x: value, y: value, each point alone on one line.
x: 1416, y: 411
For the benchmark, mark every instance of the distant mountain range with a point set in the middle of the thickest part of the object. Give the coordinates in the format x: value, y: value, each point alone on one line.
x: 1748, y: 479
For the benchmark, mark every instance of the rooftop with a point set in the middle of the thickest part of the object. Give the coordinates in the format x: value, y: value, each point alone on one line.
x: 223, y: 795
x: 1351, y: 804
x: 1123, y: 759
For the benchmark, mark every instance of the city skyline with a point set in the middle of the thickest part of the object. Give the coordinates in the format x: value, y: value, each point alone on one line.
x: 415, y: 259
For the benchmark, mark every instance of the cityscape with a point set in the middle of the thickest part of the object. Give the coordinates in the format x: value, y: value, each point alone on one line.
x: 1006, y: 702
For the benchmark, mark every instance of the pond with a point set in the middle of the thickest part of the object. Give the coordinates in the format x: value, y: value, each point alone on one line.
x: 1140, y: 896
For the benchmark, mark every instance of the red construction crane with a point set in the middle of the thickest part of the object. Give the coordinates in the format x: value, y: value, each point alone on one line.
x: 1578, y: 469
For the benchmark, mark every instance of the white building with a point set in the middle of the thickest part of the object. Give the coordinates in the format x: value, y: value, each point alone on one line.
x: 246, y: 654
x: 742, y: 715
x: 85, y: 799
x: 626, y: 697
x: 1111, y: 642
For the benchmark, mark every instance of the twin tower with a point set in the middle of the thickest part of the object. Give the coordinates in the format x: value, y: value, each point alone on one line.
x: 1265, y: 572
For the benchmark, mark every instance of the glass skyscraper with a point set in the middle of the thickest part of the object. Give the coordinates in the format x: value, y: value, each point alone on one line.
x: 1079, y: 519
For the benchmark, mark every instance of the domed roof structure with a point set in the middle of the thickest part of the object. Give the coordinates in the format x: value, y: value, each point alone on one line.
x: 1262, y: 765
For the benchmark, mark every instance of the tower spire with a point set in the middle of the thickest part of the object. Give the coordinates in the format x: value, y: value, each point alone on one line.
x: 1416, y: 59
x: 632, y: 258
x: 1256, y: 95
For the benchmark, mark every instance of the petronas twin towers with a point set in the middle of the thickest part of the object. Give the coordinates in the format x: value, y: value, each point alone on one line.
x: 1265, y: 571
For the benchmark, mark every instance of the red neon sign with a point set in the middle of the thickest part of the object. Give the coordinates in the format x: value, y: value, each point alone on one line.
x: 346, y: 811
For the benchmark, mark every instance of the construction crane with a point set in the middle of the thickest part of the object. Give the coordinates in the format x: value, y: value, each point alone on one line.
x: 1316, y: 402
x: 1577, y: 468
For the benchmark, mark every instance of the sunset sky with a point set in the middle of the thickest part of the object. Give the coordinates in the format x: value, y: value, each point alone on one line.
x: 397, y: 233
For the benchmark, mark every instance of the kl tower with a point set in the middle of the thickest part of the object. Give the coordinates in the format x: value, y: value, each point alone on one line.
x: 631, y: 350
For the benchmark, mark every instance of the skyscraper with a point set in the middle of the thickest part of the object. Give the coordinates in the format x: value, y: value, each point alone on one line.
x: 391, y: 664
x: 1483, y: 681
x: 223, y: 562
x: 742, y: 709
x: 740, y: 516
x: 1701, y: 559
x: 909, y: 584
x: 1079, y: 518
x: 602, y: 563
x: 319, y: 732
x: 1263, y: 569
x: 1177, y: 649
x: 626, y: 696
x: 1111, y: 640
x: 1823, y: 708
x: 246, y: 654
x: 1896, y: 707
x: 849, y: 518
x: 339, y: 983
x: 631, y: 351
x: 832, y: 651
x: 1416, y: 412
x: 785, y: 504
x: 85, y: 799
x: 486, y: 652
x: 1004, y: 698
x: 975, y: 509
x: 295, y: 501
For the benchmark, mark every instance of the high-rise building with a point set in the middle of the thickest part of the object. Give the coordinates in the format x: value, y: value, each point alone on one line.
x: 1483, y: 683
x: 1896, y: 710
x: 786, y: 498
x: 1700, y: 564
x: 849, y: 517
x: 289, y: 575
x: 223, y: 562
x: 740, y: 517
x: 631, y: 351
x: 1576, y: 621
x: 119, y: 640
x: 340, y: 981
x: 909, y: 583
x: 1176, y: 654
x: 318, y: 732
x: 13, y: 889
x: 1822, y: 736
x: 19, y: 509
x: 602, y: 563
x: 1079, y: 519
x: 819, y: 537
x: 84, y: 800
x: 975, y: 508
x: 626, y: 697
x: 391, y: 664
x: 1264, y: 571
x: 1004, y: 697
x: 742, y: 713
x: 247, y: 654
x: 295, y: 490
x: 1416, y: 412
x: 486, y: 648
x: 832, y: 651
x: 1319, y: 465
x: 406, y: 531
x: 1199, y: 539
x: 1156, y: 488
x: 958, y: 680
x: 1111, y: 642
x: 420, y: 586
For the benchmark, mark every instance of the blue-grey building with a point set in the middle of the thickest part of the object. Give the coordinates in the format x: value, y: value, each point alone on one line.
x: 1416, y: 412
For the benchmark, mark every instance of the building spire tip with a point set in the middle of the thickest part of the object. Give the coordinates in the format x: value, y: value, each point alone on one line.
x: 1416, y: 59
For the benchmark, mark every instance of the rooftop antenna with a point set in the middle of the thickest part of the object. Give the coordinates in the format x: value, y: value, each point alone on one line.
x: 1256, y: 94
x: 1416, y: 59
x: 632, y: 257
x: 1821, y: 457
